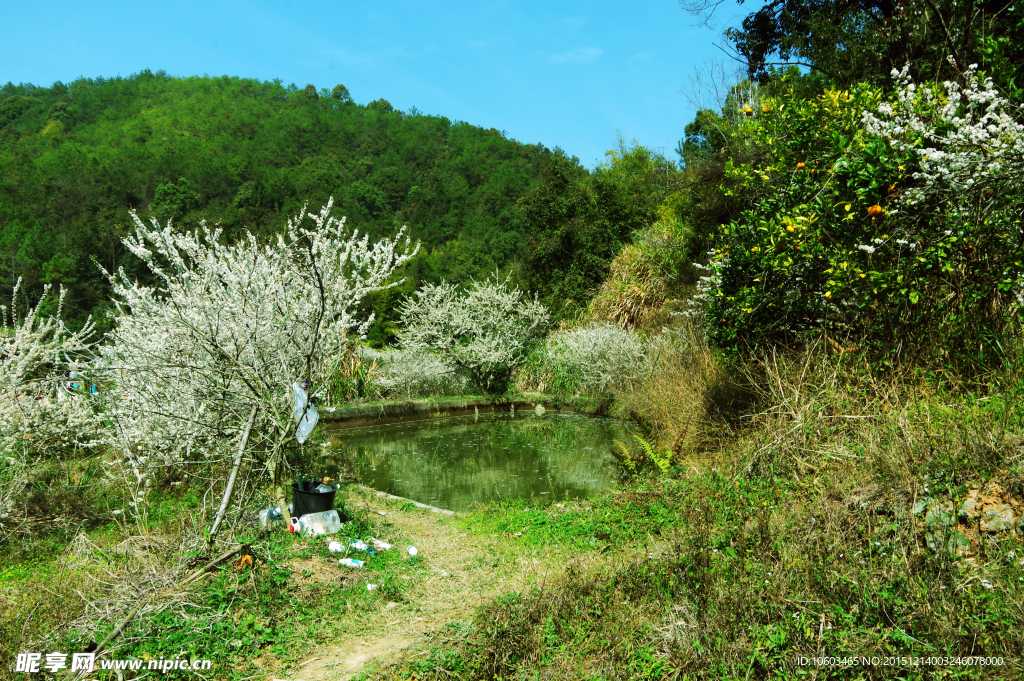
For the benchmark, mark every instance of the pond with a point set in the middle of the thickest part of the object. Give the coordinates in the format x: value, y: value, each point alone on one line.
x: 453, y: 463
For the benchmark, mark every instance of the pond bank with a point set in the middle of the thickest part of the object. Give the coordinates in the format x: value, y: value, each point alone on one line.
x: 399, y: 411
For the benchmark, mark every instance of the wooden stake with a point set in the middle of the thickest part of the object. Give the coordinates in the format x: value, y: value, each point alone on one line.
x: 231, y: 480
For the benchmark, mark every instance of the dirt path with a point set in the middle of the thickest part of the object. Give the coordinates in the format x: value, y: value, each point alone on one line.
x: 463, y: 571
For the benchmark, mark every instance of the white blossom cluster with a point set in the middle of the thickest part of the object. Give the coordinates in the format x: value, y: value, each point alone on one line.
x: 482, y: 334
x: 231, y: 327
x: 707, y: 285
x: 601, y: 355
x: 39, y: 408
x: 409, y: 373
x: 970, y: 142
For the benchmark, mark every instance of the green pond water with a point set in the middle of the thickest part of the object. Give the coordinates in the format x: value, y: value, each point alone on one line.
x: 455, y: 462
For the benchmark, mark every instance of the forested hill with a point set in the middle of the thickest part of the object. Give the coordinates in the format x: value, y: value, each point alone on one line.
x: 75, y: 158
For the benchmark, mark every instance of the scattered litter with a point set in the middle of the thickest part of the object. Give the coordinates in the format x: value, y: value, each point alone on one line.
x: 335, y: 547
x: 371, y: 587
x: 428, y: 534
x: 381, y: 545
x: 351, y: 562
x: 381, y: 513
x: 391, y: 605
x: 412, y: 551
x: 358, y: 545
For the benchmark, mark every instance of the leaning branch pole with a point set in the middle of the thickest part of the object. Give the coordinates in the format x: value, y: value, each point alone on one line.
x: 231, y: 480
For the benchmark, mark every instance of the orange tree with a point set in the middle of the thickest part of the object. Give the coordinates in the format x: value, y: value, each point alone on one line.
x: 828, y: 244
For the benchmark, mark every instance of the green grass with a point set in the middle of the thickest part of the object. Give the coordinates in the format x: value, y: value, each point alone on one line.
x: 630, y: 515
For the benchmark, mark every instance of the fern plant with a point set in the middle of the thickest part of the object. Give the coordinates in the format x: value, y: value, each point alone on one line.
x: 663, y: 462
x: 624, y: 456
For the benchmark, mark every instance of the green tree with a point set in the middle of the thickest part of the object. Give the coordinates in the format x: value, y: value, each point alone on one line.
x: 848, y: 41
x: 173, y: 201
x: 574, y: 223
x: 341, y: 94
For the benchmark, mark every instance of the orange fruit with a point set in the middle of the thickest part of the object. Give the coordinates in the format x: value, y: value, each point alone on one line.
x: 800, y: 165
x: 874, y: 210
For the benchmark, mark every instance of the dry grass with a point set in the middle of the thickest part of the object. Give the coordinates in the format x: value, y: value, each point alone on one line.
x: 684, y: 401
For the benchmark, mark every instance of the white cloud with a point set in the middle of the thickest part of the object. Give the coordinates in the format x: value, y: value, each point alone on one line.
x: 581, y: 55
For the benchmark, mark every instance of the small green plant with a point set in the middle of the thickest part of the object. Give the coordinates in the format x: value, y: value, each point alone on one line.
x: 623, y: 455
x: 663, y: 462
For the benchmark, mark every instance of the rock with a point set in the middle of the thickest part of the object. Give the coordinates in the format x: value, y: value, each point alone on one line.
x: 997, y: 518
x: 971, y: 508
x: 940, y: 515
x: 919, y: 507
x: 955, y: 543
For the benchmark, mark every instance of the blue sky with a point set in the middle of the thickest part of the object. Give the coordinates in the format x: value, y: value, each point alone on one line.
x: 570, y: 74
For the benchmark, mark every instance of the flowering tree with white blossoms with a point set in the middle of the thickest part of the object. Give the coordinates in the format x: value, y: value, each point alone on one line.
x: 961, y: 217
x: 482, y: 334
x: 218, y: 343
x: 41, y: 412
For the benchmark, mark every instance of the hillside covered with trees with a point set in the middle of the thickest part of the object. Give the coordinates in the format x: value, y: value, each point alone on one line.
x: 245, y: 154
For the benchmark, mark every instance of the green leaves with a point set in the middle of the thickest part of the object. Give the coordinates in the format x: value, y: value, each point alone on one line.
x: 832, y: 246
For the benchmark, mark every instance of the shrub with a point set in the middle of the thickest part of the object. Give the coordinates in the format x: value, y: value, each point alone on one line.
x: 230, y: 328
x: 409, y: 373
x: 900, y: 230
x: 41, y: 411
x: 591, y: 359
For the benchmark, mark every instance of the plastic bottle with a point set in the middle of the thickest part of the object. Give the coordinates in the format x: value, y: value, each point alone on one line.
x: 380, y: 545
x: 323, y: 489
x: 412, y: 551
x: 326, y: 522
x: 358, y: 545
x: 272, y: 516
x: 351, y: 562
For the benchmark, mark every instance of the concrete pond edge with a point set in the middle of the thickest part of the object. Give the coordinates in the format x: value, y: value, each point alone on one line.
x: 359, y: 416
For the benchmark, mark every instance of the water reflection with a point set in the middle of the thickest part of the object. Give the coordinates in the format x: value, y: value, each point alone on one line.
x: 454, y: 462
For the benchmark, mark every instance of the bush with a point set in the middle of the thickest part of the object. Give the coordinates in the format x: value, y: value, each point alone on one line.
x: 592, y: 359
x: 42, y: 413
x: 896, y: 227
x: 410, y: 373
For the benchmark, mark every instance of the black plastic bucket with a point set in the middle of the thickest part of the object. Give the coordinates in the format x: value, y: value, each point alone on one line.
x: 306, y: 500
